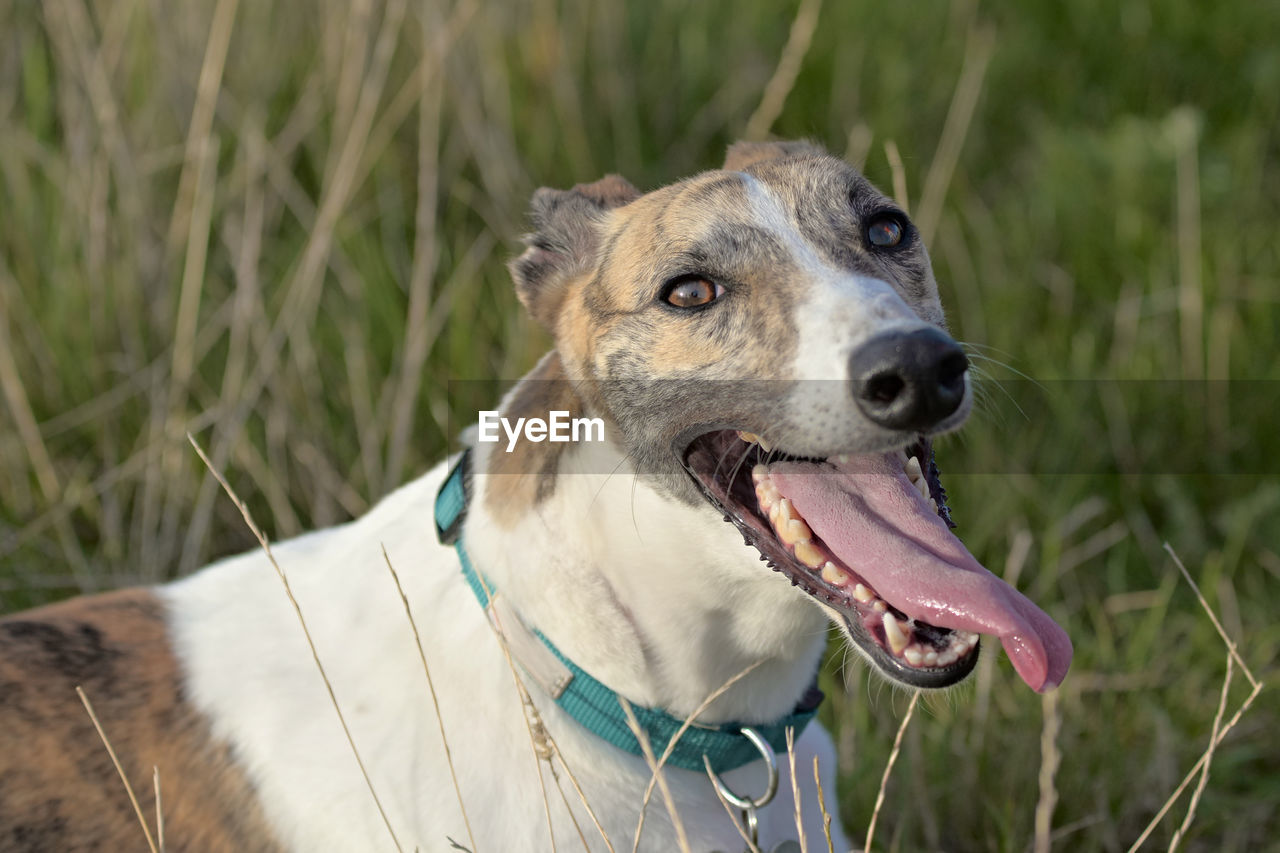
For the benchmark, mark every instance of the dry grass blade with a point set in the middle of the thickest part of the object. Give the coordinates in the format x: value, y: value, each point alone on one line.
x: 684, y: 727
x: 1191, y: 774
x: 191, y: 289
x: 186, y: 326
x: 15, y: 396
x: 302, y: 291
x: 72, y: 30
x: 435, y: 701
x: 822, y: 805
x: 349, y: 170
x: 647, y: 748
x: 542, y: 737
x: 582, y: 797
x: 1219, y: 733
x: 315, y: 656
x: 210, y: 82
x: 899, y: 172
x: 1050, y: 757
x: 526, y: 701
x: 964, y: 100
x: 155, y: 781
x: 1231, y: 646
x: 888, y: 768
x: 784, y: 75
x: 416, y: 342
x: 137, y: 810
x: 24, y: 419
x: 752, y: 847
x: 1208, y: 760
x: 858, y: 146
x: 582, y: 836
x: 795, y: 789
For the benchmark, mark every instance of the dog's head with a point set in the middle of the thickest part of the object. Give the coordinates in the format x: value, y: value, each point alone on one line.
x: 768, y: 339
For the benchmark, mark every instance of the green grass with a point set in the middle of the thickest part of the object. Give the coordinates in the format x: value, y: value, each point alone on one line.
x: 302, y: 303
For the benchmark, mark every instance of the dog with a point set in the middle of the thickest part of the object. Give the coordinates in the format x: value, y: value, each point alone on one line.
x: 764, y: 348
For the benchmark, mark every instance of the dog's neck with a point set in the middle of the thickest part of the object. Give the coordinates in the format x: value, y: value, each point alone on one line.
x: 658, y: 600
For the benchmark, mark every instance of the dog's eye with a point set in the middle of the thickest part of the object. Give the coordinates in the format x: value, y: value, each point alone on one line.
x: 691, y: 292
x: 885, y: 231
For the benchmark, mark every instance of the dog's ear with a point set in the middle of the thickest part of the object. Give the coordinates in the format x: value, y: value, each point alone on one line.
x: 743, y: 155
x: 564, y: 240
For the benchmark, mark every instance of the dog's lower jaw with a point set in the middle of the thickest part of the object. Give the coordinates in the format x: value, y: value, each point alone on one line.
x: 659, y: 600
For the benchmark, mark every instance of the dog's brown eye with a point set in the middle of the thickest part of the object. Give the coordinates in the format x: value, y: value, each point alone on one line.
x: 885, y: 231
x: 692, y: 292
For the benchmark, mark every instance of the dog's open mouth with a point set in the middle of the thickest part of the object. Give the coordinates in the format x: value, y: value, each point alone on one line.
x: 869, y: 536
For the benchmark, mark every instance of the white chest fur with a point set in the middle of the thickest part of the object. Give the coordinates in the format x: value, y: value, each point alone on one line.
x: 249, y: 669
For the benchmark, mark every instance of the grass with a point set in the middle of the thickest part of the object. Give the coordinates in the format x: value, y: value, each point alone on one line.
x: 282, y: 228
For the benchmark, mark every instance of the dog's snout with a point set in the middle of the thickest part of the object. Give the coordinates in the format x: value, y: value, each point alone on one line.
x: 908, y: 380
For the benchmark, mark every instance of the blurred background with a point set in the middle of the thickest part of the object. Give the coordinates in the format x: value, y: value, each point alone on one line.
x: 282, y: 227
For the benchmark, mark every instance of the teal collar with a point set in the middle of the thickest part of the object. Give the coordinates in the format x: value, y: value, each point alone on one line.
x: 594, y: 705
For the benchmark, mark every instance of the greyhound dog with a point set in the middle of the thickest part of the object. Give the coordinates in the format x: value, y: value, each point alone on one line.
x: 764, y: 351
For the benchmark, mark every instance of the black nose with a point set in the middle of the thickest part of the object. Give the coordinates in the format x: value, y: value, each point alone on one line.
x: 908, y: 380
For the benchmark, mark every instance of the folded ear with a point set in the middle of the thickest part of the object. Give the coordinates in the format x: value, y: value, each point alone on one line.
x: 564, y: 241
x: 745, y: 154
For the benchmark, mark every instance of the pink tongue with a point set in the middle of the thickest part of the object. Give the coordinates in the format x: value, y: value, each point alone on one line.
x: 872, y: 518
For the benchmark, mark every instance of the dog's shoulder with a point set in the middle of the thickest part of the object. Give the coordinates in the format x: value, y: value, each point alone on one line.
x: 58, y: 786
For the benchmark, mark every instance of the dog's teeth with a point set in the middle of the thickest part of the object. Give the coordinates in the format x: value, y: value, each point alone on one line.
x: 948, y: 657
x: 913, y: 655
x: 809, y: 555
x: 834, y: 575
x: 913, y: 470
x: 880, y: 606
x: 749, y: 437
x: 794, y: 531
x: 760, y: 473
x: 862, y: 594
x: 923, y: 488
x: 933, y: 505
x: 764, y: 443
x: 931, y: 658
x: 767, y: 494
x: 785, y: 512
x: 893, y: 633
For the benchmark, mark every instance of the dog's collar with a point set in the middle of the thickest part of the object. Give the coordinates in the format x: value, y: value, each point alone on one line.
x: 591, y: 703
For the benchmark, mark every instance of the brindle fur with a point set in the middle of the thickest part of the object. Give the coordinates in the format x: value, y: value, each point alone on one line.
x: 58, y: 788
